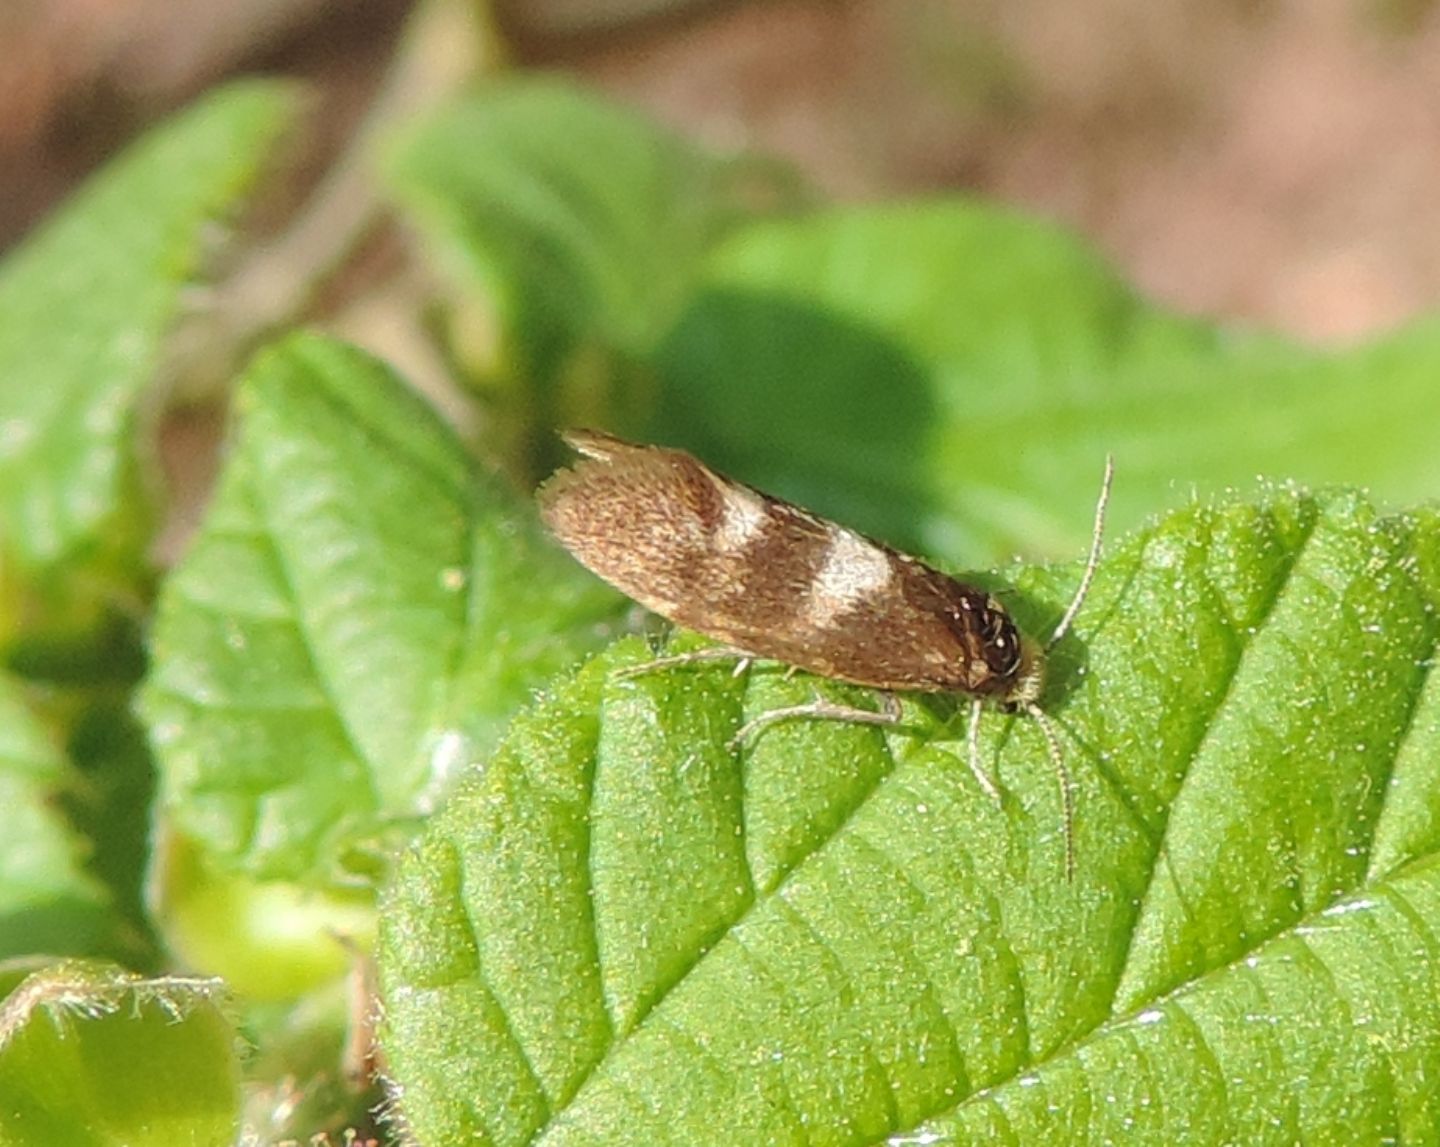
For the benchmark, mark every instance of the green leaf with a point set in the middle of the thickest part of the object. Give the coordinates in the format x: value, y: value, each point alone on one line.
x: 624, y: 931
x: 359, y: 615
x: 951, y: 376
x: 947, y: 375
x: 272, y: 940
x: 92, y: 1056
x: 576, y: 227
x: 86, y: 304
x: 49, y: 902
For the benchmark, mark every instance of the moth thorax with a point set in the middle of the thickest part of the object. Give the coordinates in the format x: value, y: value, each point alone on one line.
x: 1029, y: 680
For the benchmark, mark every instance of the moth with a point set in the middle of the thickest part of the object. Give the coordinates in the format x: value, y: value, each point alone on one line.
x: 772, y: 581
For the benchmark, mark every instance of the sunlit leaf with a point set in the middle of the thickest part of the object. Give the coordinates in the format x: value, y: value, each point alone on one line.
x: 625, y: 931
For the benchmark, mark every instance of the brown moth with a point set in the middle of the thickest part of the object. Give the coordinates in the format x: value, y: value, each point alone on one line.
x: 773, y: 581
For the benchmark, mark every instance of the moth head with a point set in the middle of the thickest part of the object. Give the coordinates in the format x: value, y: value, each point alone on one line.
x: 1029, y: 680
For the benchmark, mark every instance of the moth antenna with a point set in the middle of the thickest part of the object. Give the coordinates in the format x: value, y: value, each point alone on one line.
x: 1092, y: 561
x: 1062, y: 774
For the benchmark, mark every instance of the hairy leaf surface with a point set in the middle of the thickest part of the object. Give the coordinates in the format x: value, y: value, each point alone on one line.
x: 360, y: 613
x: 625, y: 932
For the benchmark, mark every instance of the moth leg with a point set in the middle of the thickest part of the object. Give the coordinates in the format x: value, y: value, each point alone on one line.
x: 976, y: 708
x: 819, y: 709
x: 694, y: 657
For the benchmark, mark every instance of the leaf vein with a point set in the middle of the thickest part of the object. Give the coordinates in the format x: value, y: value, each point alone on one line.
x: 1206, y: 730
x: 793, y: 913
x: 907, y: 952
x: 1177, y: 1011
x: 1407, y: 729
x: 307, y: 643
x: 483, y: 981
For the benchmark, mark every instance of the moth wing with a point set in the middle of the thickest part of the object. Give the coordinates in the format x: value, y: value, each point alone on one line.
x: 870, y: 615
x: 641, y: 517
x: 754, y: 571
x: 599, y: 445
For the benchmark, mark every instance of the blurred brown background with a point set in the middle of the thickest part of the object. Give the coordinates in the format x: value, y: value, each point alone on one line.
x: 1268, y: 161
